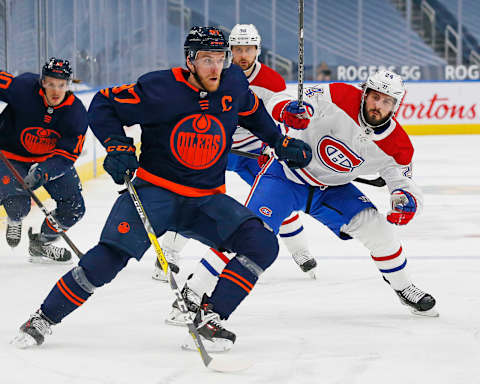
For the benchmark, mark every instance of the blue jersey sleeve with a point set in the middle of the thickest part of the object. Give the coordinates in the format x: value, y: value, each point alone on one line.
x: 254, y: 116
x: 113, y: 108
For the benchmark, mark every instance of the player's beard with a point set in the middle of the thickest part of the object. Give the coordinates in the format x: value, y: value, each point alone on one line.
x: 206, y: 85
x: 375, y: 121
x: 244, y: 64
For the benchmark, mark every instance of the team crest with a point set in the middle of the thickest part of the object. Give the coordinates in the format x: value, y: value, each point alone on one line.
x: 337, y: 156
x: 198, y: 141
x: 265, y: 211
x: 38, y: 140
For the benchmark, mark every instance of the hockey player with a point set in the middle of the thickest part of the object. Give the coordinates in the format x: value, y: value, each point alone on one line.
x: 42, y: 132
x: 187, y: 120
x: 245, y: 44
x: 352, y: 132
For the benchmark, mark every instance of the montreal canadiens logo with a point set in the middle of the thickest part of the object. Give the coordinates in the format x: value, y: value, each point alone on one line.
x: 198, y: 141
x: 265, y: 211
x: 38, y: 140
x: 337, y: 156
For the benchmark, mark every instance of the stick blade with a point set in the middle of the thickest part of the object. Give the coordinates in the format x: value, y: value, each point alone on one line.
x: 219, y: 364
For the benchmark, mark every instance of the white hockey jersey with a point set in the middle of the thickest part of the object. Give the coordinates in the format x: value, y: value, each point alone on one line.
x: 342, y: 149
x: 265, y: 82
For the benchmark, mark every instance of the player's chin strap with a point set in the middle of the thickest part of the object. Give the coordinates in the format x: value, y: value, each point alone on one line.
x: 221, y: 365
x: 378, y: 182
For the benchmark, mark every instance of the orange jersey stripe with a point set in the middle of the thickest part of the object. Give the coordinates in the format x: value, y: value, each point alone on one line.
x: 66, y: 154
x: 236, y: 282
x: 178, y: 188
x: 178, y: 74
x: 36, y: 159
x: 255, y: 107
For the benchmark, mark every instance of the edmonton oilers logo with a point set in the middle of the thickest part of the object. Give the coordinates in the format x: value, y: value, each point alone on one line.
x: 198, y: 141
x: 38, y: 140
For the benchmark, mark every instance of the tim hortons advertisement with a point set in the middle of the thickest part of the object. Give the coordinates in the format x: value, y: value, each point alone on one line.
x: 436, y: 108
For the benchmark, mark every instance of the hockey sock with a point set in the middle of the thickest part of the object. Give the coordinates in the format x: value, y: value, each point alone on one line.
x: 64, y: 298
x: 17, y: 207
x: 208, y: 269
x: 293, y: 235
x: 393, y: 268
x: 257, y: 249
x: 174, y: 241
x: 48, y: 231
x: 372, y: 230
x: 235, y: 283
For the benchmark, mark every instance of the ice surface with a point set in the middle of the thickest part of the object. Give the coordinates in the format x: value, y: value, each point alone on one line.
x: 346, y: 327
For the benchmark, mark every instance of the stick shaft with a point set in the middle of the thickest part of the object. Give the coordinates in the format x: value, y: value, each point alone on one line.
x: 206, y: 358
x: 300, y: 53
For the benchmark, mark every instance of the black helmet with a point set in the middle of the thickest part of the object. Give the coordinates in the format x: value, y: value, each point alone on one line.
x: 206, y: 39
x: 57, y: 68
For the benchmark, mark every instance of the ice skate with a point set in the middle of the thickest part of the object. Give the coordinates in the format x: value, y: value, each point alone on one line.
x: 192, y: 300
x: 45, y: 253
x: 214, y: 336
x: 14, y: 232
x: 172, y: 258
x: 33, y: 332
x: 420, y: 303
x: 306, y: 262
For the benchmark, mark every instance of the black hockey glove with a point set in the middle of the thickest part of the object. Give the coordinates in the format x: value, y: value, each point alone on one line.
x: 121, y: 158
x: 295, y: 152
x: 36, y: 177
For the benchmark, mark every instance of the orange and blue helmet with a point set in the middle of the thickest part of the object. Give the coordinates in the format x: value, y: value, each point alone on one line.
x: 206, y: 39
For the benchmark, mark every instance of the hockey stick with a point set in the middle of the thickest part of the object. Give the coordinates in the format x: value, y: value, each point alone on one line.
x: 300, y: 53
x: 378, y: 182
x: 216, y: 364
x: 48, y: 215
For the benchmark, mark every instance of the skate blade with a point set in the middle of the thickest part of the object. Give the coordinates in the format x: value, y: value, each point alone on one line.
x: 430, y: 313
x: 217, y: 346
x: 160, y: 277
x: 229, y: 365
x: 176, y: 321
x: 23, y: 340
x: 312, y: 274
x: 46, y: 260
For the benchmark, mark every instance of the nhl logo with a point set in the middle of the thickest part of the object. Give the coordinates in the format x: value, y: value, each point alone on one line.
x: 50, y: 110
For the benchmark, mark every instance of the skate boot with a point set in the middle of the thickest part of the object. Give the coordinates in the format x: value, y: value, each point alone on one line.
x: 306, y: 262
x: 420, y: 303
x: 33, y: 332
x: 43, y: 252
x: 214, y: 336
x: 192, y: 300
x: 14, y: 232
x: 172, y: 258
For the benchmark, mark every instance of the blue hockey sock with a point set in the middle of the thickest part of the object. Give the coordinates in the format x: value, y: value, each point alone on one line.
x: 64, y: 298
x: 234, y: 284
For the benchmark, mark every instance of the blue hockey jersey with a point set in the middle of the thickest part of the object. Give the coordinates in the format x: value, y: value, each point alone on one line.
x: 33, y: 132
x: 186, y: 132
